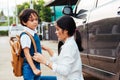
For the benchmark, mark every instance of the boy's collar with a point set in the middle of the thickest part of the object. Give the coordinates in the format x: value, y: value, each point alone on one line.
x: 32, y: 32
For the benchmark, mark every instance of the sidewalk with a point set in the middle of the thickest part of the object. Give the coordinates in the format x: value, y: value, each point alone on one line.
x: 53, y: 46
x: 5, y: 59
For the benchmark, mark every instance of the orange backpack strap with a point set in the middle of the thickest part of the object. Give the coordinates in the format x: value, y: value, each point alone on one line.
x: 33, y: 41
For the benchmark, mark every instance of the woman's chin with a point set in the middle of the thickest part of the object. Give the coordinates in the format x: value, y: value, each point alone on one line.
x: 59, y: 39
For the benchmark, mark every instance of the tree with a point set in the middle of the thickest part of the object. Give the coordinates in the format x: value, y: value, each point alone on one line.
x: 44, y: 12
x: 23, y: 6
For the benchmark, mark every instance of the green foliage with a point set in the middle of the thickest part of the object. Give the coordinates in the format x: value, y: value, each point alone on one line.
x: 23, y: 6
x: 3, y: 33
x: 44, y: 12
x: 3, y: 24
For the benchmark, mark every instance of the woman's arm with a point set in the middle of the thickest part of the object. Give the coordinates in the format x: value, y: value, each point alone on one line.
x: 62, y: 67
x: 50, y: 51
x: 41, y: 58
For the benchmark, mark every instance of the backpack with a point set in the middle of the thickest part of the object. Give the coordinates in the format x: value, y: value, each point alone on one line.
x: 17, y: 60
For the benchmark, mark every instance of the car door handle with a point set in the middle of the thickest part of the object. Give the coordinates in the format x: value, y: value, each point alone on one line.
x: 84, y: 20
x: 118, y: 12
x: 84, y: 23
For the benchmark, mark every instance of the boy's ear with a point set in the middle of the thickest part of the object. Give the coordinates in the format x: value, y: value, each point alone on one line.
x: 66, y: 31
x: 23, y: 22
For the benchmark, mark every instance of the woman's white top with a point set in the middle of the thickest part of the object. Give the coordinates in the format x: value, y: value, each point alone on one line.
x: 68, y: 65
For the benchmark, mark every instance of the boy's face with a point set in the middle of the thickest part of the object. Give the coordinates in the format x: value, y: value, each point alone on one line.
x: 32, y: 22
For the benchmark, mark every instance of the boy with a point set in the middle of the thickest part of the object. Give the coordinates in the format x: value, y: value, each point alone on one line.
x: 31, y: 69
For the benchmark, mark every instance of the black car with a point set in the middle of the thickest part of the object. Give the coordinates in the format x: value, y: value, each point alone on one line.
x: 99, y: 24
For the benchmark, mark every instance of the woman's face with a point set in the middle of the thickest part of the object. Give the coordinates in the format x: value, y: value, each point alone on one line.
x: 32, y: 22
x: 61, y: 34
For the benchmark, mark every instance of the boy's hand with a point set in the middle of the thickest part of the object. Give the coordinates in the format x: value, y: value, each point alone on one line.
x: 37, y: 72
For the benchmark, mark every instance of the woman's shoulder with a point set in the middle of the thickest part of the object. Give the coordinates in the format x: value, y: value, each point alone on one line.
x: 71, y: 45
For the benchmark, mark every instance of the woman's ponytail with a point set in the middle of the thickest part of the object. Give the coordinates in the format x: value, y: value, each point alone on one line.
x: 78, y: 40
x: 60, y: 43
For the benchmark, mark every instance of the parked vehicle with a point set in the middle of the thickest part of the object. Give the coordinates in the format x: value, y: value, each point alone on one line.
x: 99, y: 24
x: 15, y: 30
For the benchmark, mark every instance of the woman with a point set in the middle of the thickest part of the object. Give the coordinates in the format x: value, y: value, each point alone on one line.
x: 67, y: 65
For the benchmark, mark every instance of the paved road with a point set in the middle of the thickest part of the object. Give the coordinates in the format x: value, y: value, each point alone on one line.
x: 5, y: 60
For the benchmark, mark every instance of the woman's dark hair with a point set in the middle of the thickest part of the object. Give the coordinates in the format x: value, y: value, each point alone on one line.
x: 67, y: 23
x: 78, y: 40
x: 60, y: 43
x: 25, y: 14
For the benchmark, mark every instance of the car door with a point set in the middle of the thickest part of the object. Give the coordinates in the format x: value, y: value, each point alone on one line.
x: 82, y: 14
x: 104, y: 37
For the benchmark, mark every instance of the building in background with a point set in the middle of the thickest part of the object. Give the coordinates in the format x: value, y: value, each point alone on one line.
x: 57, y: 6
x: 3, y: 18
x: 48, y: 29
x: 57, y: 12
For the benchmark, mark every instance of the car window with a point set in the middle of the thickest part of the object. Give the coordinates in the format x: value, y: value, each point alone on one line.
x: 85, y: 4
x: 102, y: 2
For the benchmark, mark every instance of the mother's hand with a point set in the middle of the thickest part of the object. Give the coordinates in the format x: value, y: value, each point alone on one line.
x: 48, y: 50
x: 45, y: 48
x: 39, y: 58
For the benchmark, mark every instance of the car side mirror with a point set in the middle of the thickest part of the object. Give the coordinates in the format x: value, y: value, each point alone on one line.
x: 82, y: 11
x: 67, y: 10
x: 81, y: 16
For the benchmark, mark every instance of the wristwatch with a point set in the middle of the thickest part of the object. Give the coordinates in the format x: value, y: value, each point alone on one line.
x: 47, y: 63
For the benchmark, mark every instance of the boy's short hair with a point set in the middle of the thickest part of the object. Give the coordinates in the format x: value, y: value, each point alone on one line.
x: 25, y: 14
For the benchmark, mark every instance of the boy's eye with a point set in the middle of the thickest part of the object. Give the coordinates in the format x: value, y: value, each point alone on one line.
x: 33, y: 20
x: 36, y: 19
